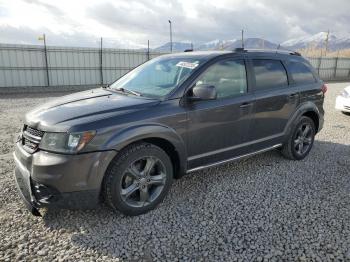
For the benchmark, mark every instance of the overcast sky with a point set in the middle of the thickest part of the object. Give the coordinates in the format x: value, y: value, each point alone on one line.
x: 131, y: 23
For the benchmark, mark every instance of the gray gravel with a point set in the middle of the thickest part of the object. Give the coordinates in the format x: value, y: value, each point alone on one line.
x: 258, y: 209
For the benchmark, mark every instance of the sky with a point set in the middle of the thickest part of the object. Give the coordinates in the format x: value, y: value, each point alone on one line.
x: 131, y: 23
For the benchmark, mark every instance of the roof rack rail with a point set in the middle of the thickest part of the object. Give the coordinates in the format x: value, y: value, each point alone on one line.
x: 277, y: 51
x: 296, y: 53
x: 239, y: 49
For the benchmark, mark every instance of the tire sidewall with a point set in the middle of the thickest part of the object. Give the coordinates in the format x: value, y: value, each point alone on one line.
x: 118, y: 169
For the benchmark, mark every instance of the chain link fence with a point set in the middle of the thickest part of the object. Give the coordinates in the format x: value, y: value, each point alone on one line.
x: 332, y: 68
x: 35, y: 66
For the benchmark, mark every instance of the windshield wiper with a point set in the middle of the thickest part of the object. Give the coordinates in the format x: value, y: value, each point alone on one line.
x: 122, y: 89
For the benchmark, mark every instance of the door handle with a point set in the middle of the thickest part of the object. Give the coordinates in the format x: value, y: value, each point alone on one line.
x: 245, y: 104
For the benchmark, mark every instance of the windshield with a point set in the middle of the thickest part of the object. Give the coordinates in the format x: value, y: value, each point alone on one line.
x: 158, y: 77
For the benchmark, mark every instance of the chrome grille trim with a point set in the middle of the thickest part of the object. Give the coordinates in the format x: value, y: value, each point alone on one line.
x: 31, y: 138
x: 33, y: 131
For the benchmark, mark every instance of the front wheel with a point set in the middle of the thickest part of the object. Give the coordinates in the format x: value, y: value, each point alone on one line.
x: 300, y: 140
x: 138, y: 179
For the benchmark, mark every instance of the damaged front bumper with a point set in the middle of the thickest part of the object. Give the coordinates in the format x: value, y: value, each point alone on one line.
x: 23, y: 182
x: 61, y: 181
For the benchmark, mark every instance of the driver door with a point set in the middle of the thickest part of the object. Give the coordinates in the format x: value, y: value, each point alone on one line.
x: 218, y: 129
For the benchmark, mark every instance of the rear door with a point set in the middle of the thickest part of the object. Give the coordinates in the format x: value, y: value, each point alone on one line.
x: 275, y: 101
x: 302, y: 76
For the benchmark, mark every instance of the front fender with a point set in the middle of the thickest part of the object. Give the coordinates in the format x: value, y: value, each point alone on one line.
x: 132, y: 134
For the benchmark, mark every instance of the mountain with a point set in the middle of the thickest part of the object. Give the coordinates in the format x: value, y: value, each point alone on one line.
x: 318, y: 41
x: 252, y: 43
x: 177, y: 47
x: 215, y: 44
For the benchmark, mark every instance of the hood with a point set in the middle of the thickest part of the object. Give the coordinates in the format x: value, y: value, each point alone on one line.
x: 60, y: 114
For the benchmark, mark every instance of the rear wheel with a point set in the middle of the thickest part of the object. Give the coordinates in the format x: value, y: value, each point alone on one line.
x: 300, y: 140
x: 138, y: 179
x: 346, y: 113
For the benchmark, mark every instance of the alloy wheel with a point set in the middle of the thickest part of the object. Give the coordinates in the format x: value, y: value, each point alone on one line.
x: 303, y: 139
x: 143, y: 181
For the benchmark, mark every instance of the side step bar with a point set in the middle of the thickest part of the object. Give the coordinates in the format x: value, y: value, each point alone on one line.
x: 233, y: 159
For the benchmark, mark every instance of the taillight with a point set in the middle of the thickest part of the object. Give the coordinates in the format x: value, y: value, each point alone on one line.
x: 324, y: 88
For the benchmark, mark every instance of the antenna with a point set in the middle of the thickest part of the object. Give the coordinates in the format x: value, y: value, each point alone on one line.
x: 242, y: 38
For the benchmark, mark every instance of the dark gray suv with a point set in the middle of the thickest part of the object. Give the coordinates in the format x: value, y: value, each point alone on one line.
x: 178, y: 113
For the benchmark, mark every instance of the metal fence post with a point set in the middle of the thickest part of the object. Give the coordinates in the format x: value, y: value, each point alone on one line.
x: 46, y: 63
x: 319, y: 65
x: 147, y: 49
x: 101, y: 65
x: 335, y: 68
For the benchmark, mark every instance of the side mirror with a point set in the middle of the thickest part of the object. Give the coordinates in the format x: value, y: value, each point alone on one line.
x: 203, y: 92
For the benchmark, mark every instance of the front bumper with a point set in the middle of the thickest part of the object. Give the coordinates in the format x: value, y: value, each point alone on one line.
x: 57, y: 180
x: 342, y: 104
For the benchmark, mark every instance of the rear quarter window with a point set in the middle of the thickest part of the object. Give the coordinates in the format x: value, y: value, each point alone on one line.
x: 269, y: 74
x: 301, y: 73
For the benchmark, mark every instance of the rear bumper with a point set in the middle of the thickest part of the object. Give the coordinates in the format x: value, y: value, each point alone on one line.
x: 342, y: 104
x: 62, y: 181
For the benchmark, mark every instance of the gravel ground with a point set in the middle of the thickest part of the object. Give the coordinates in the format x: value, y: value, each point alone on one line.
x: 257, y: 209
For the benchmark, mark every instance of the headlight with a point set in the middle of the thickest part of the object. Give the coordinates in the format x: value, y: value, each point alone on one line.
x: 344, y: 93
x: 66, y: 142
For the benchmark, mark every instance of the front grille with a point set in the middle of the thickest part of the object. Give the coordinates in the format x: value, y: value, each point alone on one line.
x: 31, y: 138
x: 30, y: 144
x: 347, y: 107
x: 34, y: 132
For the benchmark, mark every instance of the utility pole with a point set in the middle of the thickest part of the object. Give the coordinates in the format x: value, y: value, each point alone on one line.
x: 101, y: 63
x: 242, y: 38
x: 191, y: 46
x: 171, y: 37
x: 47, y: 64
x: 327, y: 38
x: 43, y: 37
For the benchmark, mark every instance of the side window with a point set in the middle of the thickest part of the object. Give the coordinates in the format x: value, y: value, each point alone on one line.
x: 301, y: 73
x: 228, y: 77
x: 269, y: 74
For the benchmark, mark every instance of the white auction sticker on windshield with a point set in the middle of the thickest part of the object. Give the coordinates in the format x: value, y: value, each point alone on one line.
x: 187, y: 65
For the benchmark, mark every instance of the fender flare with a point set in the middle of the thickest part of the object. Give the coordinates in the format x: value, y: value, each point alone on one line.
x: 302, y: 109
x: 133, y: 134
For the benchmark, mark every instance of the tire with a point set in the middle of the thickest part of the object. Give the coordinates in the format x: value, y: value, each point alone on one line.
x: 300, y: 140
x: 346, y: 113
x: 131, y: 174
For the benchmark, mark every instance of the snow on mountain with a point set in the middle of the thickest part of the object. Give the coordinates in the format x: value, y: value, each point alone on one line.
x: 318, y: 40
x: 215, y: 44
x: 177, y: 47
x: 252, y: 43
